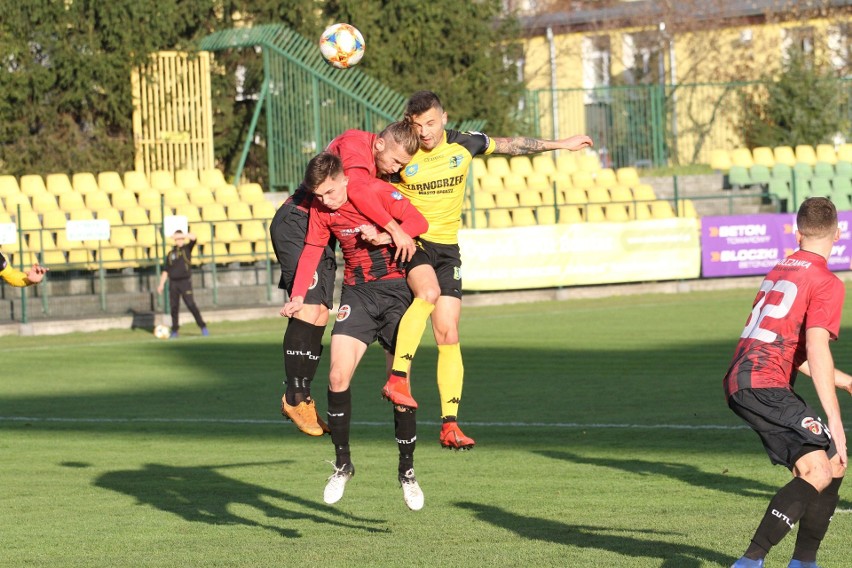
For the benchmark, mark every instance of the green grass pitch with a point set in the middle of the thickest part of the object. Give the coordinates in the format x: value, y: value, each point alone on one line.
x: 603, y: 440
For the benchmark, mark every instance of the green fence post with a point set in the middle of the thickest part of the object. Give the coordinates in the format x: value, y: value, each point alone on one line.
x: 101, y: 277
x: 213, y: 268
x: 43, y: 292
x: 268, y: 264
x: 24, y: 314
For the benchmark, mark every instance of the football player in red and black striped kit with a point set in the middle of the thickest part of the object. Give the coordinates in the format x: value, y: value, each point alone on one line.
x: 375, y: 295
x: 794, y: 317
x: 366, y: 157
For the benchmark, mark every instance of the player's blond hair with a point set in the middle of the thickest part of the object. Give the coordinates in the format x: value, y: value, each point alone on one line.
x: 403, y: 133
x: 817, y: 218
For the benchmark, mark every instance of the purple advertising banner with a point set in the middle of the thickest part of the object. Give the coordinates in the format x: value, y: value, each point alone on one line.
x: 749, y: 245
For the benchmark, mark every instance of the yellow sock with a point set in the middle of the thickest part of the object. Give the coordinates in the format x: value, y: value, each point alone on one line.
x: 410, y: 332
x: 450, y: 378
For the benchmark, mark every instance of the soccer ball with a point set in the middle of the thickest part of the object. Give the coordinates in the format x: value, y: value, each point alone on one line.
x: 162, y: 332
x: 342, y: 45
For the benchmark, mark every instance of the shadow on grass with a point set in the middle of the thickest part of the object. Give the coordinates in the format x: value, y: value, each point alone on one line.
x: 201, y: 494
x: 681, y: 472
x: 600, y: 538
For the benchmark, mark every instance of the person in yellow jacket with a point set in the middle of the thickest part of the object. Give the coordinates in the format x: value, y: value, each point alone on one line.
x: 20, y: 279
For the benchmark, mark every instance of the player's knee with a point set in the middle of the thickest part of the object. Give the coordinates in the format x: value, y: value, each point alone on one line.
x: 817, y: 474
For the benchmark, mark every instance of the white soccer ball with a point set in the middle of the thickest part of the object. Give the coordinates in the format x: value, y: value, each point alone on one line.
x: 342, y: 45
x: 162, y: 332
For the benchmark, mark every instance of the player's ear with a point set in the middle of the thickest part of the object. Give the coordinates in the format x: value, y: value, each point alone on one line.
x: 444, y: 118
x: 379, y: 144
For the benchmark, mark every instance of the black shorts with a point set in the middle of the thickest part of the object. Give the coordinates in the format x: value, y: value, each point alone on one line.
x: 288, y: 230
x: 786, y: 425
x: 446, y: 260
x: 372, y: 311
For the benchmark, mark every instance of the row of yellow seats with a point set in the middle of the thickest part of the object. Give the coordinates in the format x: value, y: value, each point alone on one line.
x: 112, y: 182
x: 606, y: 178
x: 592, y: 213
x: 44, y: 202
x: 546, y: 163
x: 722, y: 159
x: 574, y: 196
x: 138, y: 215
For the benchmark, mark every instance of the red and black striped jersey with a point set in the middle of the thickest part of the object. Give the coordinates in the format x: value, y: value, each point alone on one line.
x: 799, y: 293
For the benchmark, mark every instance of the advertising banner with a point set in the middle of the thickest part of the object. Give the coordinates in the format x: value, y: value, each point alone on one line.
x: 547, y: 256
x: 750, y: 245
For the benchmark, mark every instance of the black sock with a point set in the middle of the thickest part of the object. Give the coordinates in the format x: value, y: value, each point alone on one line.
x: 814, y: 523
x: 339, y: 419
x: 405, y: 428
x: 784, y: 511
x: 302, y: 348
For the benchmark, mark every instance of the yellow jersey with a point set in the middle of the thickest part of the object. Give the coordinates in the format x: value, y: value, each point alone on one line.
x: 12, y: 275
x: 435, y: 181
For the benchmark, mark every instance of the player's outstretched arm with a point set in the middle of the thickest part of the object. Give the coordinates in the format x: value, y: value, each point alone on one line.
x: 521, y: 145
x: 842, y: 380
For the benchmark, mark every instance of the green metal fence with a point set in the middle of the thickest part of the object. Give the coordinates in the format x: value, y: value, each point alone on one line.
x: 656, y: 125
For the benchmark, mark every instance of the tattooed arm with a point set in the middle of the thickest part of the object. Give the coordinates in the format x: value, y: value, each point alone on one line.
x: 520, y: 145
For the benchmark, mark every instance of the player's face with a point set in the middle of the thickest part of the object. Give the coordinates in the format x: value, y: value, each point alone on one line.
x: 332, y: 192
x: 390, y: 156
x: 430, y: 127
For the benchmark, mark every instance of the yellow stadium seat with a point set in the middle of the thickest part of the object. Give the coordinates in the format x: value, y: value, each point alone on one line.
x: 595, y: 213
x: 628, y: 176
x: 598, y: 195
x: 58, y: 184
x: 498, y: 166
x: 606, y: 178
x: 545, y: 215
x: 262, y: 247
x: 617, y: 213
x: 661, y: 209
x: 190, y: 211
x: 84, y: 183
x: 226, y: 195
x: 589, y: 162
x: 551, y: 197
x: 499, y: 219
x: 202, y: 231
x: 54, y: 259
x: 200, y: 196
x: 123, y: 200
x: 110, y: 182
x: 135, y: 216
x: 576, y: 196
x: 186, y: 179
x: 641, y: 212
x: 477, y: 220
x: 148, y: 236
x: 109, y: 214
x: 506, y: 199
x: 18, y: 200
x: 42, y: 240
x: 156, y: 214
x: 806, y: 154
x: 176, y: 196
x: 582, y: 179
x: 742, y: 157
x: 544, y: 164
x: 161, y: 180
x: 844, y: 153
x: 81, y: 215
x: 252, y: 230
x: 491, y: 183
x: 826, y: 153
x: 54, y: 219
x: 566, y: 163
x: 483, y: 200
x: 211, y: 178
x: 644, y: 192
x: 122, y: 236
x: 263, y: 210
x: 570, y: 214
x: 5, y: 217
x: 251, y: 193
x: 785, y: 155
x: 763, y: 156
x: 478, y: 168
x: 514, y: 183
x: 529, y: 198
x: 720, y: 160
x: 539, y: 182
x: 239, y: 211
x: 32, y: 184
x: 621, y: 194
x: 523, y: 217
x: 686, y: 208
x: 562, y: 181
x: 136, y: 181
x: 81, y: 258
x: 43, y: 202
x: 214, y: 212
x: 241, y: 251
x: 521, y: 165
x: 98, y: 200
x: 9, y: 186
x: 148, y: 198
x: 71, y: 200
x: 216, y: 252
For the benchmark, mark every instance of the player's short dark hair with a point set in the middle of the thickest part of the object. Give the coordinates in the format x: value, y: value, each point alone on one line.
x: 817, y: 217
x: 420, y: 102
x: 404, y: 134
x: 321, y: 167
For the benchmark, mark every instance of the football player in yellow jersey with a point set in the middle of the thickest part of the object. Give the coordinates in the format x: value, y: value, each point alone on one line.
x: 20, y: 279
x: 435, y: 181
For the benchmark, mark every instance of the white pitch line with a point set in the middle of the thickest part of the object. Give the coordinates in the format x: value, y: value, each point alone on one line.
x: 363, y: 423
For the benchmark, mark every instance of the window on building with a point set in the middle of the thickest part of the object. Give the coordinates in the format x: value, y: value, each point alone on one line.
x: 643, y: 58
x: 840, y: 48
x: 798, y: 41
x: 596, y: 67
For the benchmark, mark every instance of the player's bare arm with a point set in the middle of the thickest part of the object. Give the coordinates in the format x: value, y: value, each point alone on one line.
x: 821, y: 366
x: 842, y: 381
x: 370, y: 234
x: 521, y: 145
x: 35, y: 274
